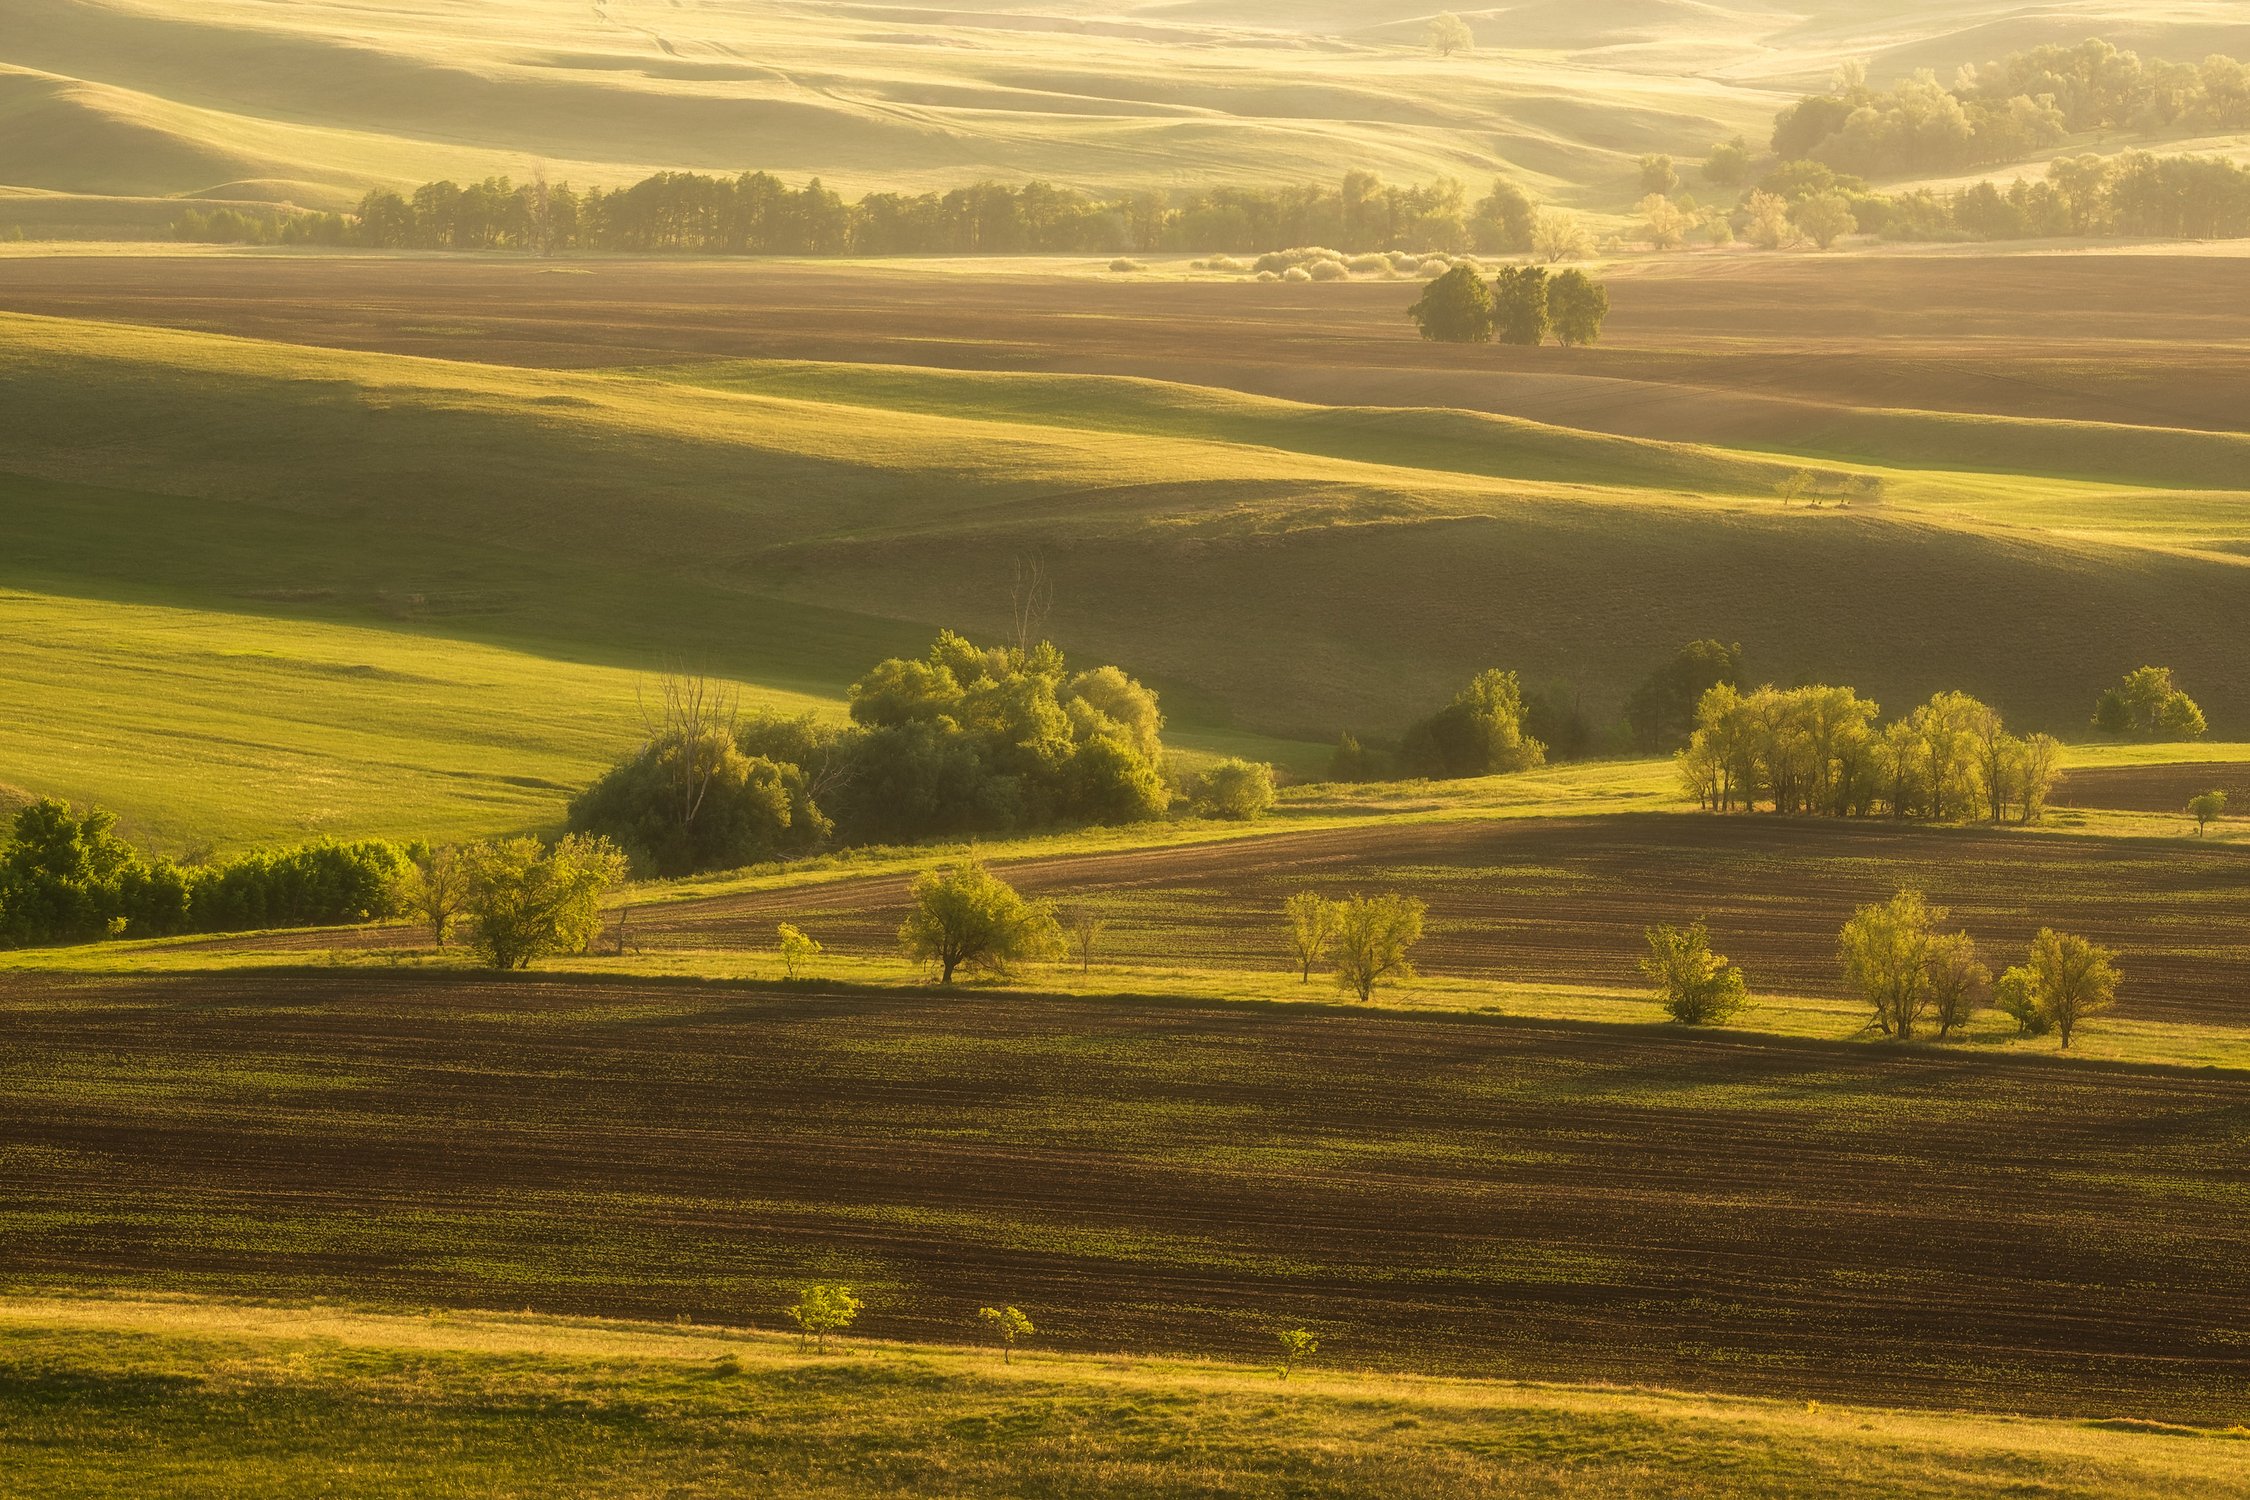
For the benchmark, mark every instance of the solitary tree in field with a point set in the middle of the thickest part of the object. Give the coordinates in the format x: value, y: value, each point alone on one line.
x: 2071, y: 979
x: 1658, y: 175
x: 1450, y: 34
x: 1083, y: 928
x: 1794, y: 487
x: 1235, y: 788
x: 1007, y: 1324
x: 1312, y: 920
x: 1297, y: 1344
x: 797, y: 947
x: 1667, y: 226
x: 1698, y: 987
x: 823, y: 1309
x: 2204, y: 807
x: 965, y: 916
x: 434, y: 889
x: 1374, y: 937
x: 1455, y: 309
x: 525, y: 901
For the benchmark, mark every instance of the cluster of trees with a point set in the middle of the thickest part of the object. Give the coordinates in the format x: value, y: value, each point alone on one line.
x: 66, y: 877
x: 2149, y: 705
x: 963, y: 740
x: 1520, y: 305
x: 759, y: 214
x: 2005, y: 110
x: 1819, y: 750
x: 1367, y: 939
x: 1911, y: 972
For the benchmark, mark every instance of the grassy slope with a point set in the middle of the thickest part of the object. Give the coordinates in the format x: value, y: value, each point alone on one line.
x: 1277, y: 568
x: 366, y: 1404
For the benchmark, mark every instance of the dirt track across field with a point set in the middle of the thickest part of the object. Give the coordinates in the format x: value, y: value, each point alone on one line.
x: 1747, y: 349
x: 1469, y: 1195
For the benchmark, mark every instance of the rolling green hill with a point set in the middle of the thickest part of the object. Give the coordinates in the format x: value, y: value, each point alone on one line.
x: 1278, y: 570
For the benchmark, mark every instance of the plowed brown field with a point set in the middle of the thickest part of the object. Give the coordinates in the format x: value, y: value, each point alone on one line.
x: 1465, y: 1195
x: 2163, y: 789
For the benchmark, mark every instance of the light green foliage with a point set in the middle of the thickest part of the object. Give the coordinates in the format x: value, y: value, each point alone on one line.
x: 433, y: 888
x: 797, y: 948
x: 525, y: 900
x: 2206, y: 808
x: 1958, y: 981
x: 1008, y: 1324
x: 1297, y: 1345
x: 964, y: 916
x: 1236, y: 789
x: 1456, y: 308
x: 1697, y: 987
x: 1311, y: 920
x: 1504, y: 219
x: 1557, y: 235
x: 1826, y: 218
x: 1885, y: 951
x: 1449, y: 34
x: 690, y: 802
x: 2016, y: 994
x: 1727, y: 164
x: 1374, y: 940
x: 1521, y: 309
x: 1658, y: 175
x: 1480, y: 733
x: 2147, y: 705
x: 2071, y: 979
x: 823, y: 1309
x: 1577, y: 305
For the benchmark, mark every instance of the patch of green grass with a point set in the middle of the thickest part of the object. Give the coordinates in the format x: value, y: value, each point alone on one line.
x: 196, y: 1398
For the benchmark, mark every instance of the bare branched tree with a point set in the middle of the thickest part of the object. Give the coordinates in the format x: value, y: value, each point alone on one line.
x: 1030, y: 601
x: 694, y: 716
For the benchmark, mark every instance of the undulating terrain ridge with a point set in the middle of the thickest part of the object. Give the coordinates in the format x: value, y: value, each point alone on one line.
x: 109, y: 107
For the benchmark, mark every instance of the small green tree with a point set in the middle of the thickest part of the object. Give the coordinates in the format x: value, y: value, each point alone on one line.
x: 1794, y: 487
x: 1480, y: 733
x: 2205, y: 808
x: 2148, y: 705
x: 1456, y: 308
x: 965, y: 916
x: 1698, y: 987
x: 1826, y: 218
x: 1312, y: 919
x: 1350, y: 760
x: 525, y: 901
x: 433, y: 889
x: 1727, y: 164
x: 1007, y: 1324
x: 1885, y: 952
x: 1297, y: 1345
x: 2071, y: 979
x: 1519, y: 305
x: 823, y: 1309
x: 1450, y: 34
x: 1958, y: 983
x: 1083, y: 927
x: 1658, y: 175
x: 2015, y: 994
x: 798, y: 948
x: 1375, y: 936
x: 1235, y: 788
x: 1577, y: 305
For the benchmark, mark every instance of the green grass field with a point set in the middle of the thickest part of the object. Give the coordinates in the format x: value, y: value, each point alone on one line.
x: 214, y: 1399
x: 421, y: 593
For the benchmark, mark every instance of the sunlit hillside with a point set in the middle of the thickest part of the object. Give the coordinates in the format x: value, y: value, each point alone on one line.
x: 314, y: 101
